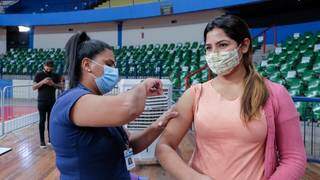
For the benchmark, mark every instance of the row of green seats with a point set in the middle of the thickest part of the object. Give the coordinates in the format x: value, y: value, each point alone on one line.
x: 308, y: 111
x: 296, y: 65
x: 29, y: 61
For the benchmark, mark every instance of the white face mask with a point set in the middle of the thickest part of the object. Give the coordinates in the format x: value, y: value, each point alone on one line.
x: 222, y: 63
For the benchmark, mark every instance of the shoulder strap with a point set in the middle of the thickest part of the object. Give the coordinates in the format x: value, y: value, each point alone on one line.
x: 197, y: 95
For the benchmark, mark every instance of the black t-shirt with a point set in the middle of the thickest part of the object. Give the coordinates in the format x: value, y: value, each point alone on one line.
x: 47, y: 93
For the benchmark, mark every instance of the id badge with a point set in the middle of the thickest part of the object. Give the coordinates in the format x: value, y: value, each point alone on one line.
x: 128, y: 156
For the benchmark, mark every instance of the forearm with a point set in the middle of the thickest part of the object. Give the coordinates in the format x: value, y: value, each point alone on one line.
x: 140, y: 141
x: 171, y: 162
x: 37, y: 86
x: 136, y: 99
x: 130, y: 104
x: 106, y: 111
x: 293, y: 160
x: 58, y: 86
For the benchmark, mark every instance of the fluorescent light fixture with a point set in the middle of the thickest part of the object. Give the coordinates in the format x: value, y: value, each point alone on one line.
x: 24, y: 29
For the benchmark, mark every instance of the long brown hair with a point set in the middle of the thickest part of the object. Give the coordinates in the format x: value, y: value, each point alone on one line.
x: 255, y: 93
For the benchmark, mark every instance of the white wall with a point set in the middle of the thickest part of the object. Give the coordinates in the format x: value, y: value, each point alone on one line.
x: 3, y: 40
x: 189, y: 27
x: 57, y: 36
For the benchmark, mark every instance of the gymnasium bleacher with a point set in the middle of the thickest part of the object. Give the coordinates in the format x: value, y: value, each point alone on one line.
x: 29, y: 61
x: 172, y: 60
x: 296, y: 65
x: 145, y: 60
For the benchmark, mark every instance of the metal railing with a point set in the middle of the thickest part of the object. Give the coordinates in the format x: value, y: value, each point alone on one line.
x: 18, y: 107
x: 310, y: 127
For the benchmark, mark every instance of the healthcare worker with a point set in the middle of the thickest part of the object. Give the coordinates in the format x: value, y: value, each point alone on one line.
x: 86, y: 128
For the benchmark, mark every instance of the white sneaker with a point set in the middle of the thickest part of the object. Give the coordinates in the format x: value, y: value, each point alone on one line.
x: 43, y: 145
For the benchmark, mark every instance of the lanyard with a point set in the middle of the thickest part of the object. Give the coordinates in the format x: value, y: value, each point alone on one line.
x: 124, y: 136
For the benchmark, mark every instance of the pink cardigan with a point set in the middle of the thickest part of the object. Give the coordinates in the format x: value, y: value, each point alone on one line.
x: 285, y: 156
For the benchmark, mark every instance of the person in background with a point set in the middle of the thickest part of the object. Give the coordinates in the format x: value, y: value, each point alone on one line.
x: 46, y: 82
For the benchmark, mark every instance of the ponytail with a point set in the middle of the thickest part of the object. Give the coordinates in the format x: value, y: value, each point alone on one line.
x: 255, y: 93
x: 72, y: 61
x: 80, y: 46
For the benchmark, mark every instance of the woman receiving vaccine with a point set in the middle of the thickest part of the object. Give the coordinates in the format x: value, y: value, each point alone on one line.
x: 246, y: 127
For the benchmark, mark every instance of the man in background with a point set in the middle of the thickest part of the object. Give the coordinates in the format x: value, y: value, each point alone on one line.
x: 46, y: 82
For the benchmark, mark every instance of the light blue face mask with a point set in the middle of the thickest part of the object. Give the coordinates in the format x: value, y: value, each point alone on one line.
x: 108, y: 80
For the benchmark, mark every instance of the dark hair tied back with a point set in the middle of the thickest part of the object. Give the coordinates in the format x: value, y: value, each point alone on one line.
x: 80, y: 46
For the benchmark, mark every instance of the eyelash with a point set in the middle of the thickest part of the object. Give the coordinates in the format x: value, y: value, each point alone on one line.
x: 223, y: 45
x: 220, y: 45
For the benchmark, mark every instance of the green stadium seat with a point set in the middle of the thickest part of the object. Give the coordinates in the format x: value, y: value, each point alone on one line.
x: 275, y: 75
x: 294, y: 84
x: 285, y: 68
x: 307, y: 76
x: 304, y: 65
x: 271, y: 69
x: 312, y: 93
x: 302, y: 108
x: 316, y: 112
x: 295, y: 92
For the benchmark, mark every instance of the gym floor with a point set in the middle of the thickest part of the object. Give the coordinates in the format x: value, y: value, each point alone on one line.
x: 28, y: 161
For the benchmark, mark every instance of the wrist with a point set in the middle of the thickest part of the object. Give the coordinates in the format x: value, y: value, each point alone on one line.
x: 156, y: 126
x: 143, y: 88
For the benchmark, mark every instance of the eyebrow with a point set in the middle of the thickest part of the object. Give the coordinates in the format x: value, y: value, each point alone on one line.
x: 208, y: 44
x: 222, y: 41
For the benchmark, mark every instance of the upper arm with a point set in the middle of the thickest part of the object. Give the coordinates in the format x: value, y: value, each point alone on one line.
x: 288, y: 137
x: 178, y: 127
x: 286, y: 107
x: 36, y: 78
x: 101, y: 111
x: 287, y: 124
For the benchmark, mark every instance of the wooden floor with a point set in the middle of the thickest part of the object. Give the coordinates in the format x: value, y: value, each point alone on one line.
x: 28, y: 162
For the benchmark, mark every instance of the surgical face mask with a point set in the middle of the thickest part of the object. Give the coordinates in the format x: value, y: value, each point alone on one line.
x: 108, y: 80
x: 222, y: 63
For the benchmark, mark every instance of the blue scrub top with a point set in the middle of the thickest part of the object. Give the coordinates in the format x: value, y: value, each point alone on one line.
x: 85, y: 152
